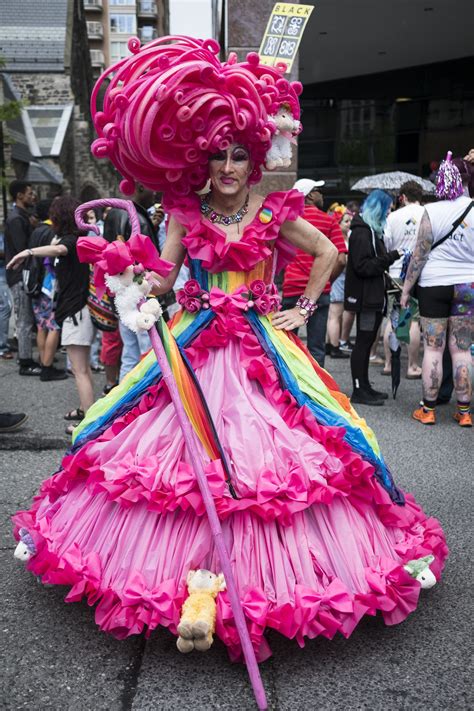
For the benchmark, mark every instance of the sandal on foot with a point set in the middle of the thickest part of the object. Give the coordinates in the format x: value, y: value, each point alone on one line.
x: 69, y: 430
x: 76, y: 414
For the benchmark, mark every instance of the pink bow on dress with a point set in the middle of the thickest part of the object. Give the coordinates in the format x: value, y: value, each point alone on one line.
x: 114, y: 257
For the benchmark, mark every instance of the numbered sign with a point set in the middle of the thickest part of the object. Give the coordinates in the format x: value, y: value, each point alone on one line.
x: 283, y: 34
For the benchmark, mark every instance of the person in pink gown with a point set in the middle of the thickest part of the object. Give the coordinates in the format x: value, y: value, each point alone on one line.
x: 318, y: 533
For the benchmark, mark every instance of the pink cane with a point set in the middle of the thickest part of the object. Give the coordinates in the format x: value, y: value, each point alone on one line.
x: 190, y: 440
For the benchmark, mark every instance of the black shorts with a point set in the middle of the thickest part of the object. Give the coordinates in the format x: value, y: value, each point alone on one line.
x: 445, y: 301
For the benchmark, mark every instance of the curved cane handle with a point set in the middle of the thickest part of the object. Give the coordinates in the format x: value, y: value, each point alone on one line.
x: 107, y: 202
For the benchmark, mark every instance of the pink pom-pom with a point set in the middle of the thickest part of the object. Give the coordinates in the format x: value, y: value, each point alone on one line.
x: 122, y: 101
x: 100, y: 148
x: 253, y: 59
x: 134, y: 45
x: 127, y: 187
x: 297, y: 87
x: 100, y: 119
x: 212, y: 46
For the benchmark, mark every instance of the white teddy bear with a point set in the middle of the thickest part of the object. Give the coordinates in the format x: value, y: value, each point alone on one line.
x: 129, y: 290
x: 287, y: 128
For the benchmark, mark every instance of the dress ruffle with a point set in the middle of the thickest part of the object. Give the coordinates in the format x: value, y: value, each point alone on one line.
x: 315, y: 541
x: 207, y: 242
x: 153, y: 498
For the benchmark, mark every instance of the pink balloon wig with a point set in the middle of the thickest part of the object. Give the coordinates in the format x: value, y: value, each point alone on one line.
x: 172, y: 104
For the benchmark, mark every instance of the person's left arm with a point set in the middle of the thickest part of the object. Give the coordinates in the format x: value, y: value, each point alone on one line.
x: 306, y: 237
x: 419, y: 258
x: 50, y: 250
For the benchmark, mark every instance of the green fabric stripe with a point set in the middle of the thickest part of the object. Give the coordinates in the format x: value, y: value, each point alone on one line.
x: 309, y: 382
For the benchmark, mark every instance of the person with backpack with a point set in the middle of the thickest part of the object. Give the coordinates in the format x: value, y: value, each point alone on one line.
x: 39, y: 281
x: 71, y: 311
x: 443, y: 266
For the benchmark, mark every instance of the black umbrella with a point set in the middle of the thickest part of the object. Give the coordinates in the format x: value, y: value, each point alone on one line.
x: 395, y: 350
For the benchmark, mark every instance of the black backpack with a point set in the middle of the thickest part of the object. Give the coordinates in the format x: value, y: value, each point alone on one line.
x: 33, y: 267
x: 33, y: 275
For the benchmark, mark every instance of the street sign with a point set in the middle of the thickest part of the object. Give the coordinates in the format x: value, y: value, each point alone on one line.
x: 283, y: 34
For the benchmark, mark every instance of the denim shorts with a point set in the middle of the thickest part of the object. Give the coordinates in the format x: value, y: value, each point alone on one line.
x: 337, y: 288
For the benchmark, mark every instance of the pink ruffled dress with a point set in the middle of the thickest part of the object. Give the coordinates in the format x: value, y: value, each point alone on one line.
x: 317, y: 531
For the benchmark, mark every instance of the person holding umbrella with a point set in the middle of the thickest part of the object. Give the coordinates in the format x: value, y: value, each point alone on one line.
x: 365, y: 288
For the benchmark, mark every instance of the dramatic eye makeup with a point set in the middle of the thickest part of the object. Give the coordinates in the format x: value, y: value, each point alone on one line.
x: 238, y: 155
x: 218, y: 157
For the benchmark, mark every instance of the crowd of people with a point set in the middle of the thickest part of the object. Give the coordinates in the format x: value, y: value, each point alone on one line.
x: 53, y: 294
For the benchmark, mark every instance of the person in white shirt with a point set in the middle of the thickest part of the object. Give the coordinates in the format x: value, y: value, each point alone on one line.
x: 400, y: 233
x: 443, y: 265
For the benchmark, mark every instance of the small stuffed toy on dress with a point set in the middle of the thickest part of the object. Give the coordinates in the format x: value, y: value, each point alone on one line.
x: 420, y: 570
x: 198, y: 616
x: 129, y: 289
x: 287, y: 128
x: 26, y: 547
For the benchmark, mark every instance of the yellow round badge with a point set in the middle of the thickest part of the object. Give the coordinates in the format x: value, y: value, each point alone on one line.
x: 265, y: 216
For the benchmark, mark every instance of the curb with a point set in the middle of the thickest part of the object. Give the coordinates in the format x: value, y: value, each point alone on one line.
x: 36, y: 442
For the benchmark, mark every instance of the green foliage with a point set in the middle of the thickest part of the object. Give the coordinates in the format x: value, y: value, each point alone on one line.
x: 9, y: 110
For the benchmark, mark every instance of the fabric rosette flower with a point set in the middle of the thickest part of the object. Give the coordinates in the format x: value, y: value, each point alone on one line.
x: 264, y: 304
x: 192, y: 304
x: 192, y: 288
x: 257, y: 288
x: 192, y: 298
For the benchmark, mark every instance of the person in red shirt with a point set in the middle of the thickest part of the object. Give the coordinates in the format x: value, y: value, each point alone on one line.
x: 297, y: 272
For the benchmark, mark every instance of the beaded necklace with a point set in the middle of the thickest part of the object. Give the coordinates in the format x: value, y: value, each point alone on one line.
x: 220, y: 219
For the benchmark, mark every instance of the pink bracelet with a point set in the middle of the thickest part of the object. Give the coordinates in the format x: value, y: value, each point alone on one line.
x: 307, y: 307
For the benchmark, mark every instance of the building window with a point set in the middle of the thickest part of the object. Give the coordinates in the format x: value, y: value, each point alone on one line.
x: 357, y: 118
x: 147, y: 33
x: 118, y: 50
x: 123, y: 24
x: 122, y: 2
x: 148, y: 7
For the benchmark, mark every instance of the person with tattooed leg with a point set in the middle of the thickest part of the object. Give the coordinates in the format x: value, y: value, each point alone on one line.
x: 443, y: 266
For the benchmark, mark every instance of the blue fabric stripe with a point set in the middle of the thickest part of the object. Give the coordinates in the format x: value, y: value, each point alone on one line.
x: 198, y: 273
x: 353, y: 435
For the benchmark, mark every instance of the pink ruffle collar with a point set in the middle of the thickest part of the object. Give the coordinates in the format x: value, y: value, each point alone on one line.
x: 207, y: 242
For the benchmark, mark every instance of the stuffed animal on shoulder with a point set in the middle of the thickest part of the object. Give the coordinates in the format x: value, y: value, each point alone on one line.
x: 26, y: 548
x: 129, y: 288
x: 420, y: 570
x: 198, y: 616
x: 287, y: 128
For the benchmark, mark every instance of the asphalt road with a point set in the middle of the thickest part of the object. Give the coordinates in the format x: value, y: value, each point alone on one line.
x: 53, y: 656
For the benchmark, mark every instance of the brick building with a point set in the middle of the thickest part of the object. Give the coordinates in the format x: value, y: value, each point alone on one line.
x: 48, y: 66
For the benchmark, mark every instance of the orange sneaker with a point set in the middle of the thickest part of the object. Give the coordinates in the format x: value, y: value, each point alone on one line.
x: 426, y: 417
x: 464, y: 419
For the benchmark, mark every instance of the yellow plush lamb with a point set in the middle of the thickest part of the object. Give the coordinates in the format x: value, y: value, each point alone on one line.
x: 198, y: 616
